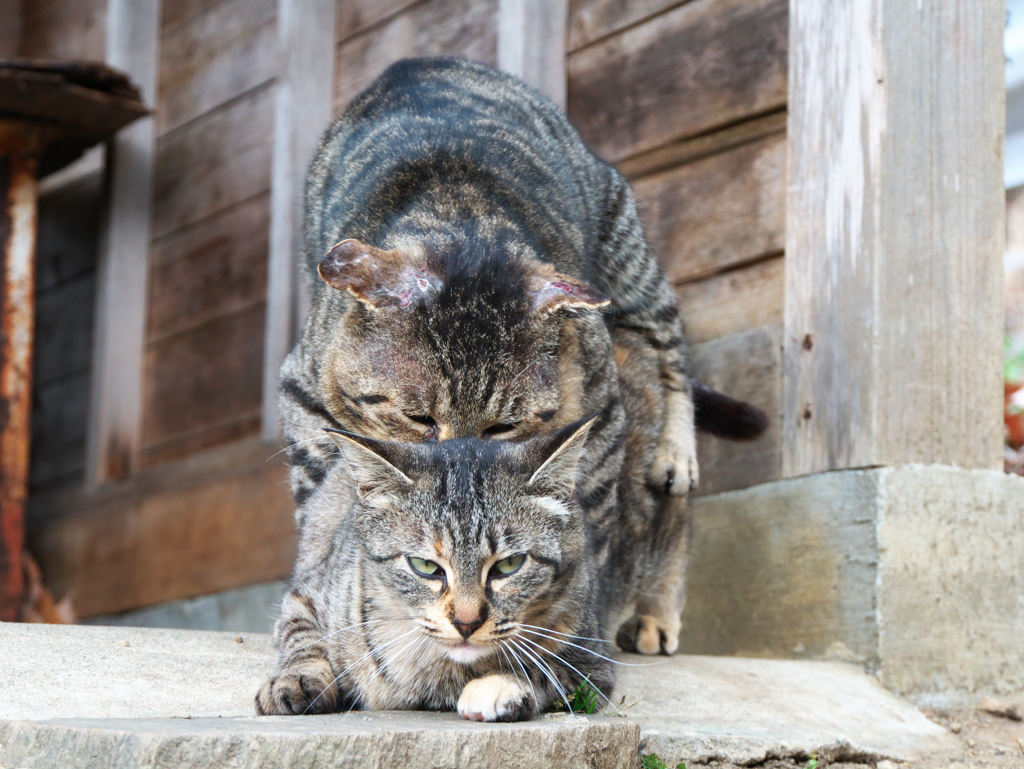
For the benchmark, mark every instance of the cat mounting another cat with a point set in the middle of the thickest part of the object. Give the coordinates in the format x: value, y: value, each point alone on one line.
x: 491, y: 419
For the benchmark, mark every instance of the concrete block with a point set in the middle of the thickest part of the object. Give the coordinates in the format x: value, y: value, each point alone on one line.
x: 916, y: 571
x: 379, y: 740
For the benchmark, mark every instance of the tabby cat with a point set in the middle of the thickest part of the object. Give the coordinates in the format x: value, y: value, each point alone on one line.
x: 476, y: 262
x: 467, y: 574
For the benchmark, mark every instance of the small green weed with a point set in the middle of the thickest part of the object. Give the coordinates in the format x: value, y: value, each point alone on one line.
x: 653, y: 761
x: 585, y: 698
x: 812, y: 764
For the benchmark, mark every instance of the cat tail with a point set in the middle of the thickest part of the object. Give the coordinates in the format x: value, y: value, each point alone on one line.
x: 726, y: 417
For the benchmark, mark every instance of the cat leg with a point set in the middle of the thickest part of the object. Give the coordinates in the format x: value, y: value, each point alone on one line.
x: 498, y: 697
x: 657, y: 622
x: 305, y: 682
x: 644, y: 301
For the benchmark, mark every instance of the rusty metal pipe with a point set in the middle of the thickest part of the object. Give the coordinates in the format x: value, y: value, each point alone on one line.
x: 19, y: 147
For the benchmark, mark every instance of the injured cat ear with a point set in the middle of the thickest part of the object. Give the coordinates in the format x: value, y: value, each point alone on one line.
x: 559, y: 453
x: 374, y: 464
x: 376, y: 277
x: 555, y: 292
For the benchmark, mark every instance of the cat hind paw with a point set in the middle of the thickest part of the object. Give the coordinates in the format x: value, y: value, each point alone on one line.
x: 645, y: 634
x: 496, y: 698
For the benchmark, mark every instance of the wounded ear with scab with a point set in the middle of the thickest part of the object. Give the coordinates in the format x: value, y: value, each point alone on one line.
x: 376, y: 277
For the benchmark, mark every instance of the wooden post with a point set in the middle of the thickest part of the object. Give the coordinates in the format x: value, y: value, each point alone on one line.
x: 894, y: 237
x: 532, y: 43
x: 19, y: 146
x: 302, y: 113
x: 133, y: 44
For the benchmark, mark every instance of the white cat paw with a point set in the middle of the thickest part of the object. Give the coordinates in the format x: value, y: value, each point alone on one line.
x: 496, y: 698
x: 674, y: 469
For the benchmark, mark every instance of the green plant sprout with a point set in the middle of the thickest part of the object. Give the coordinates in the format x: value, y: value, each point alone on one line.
x: 585, y: 698
x: 653, y: 761
x: 1013, y: 362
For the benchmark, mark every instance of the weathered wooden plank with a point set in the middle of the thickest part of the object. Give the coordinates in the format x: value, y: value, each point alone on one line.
x: 60, y: 412
x: 591, y: 20
x: 748, y: 366
x: 677, y: 153
x: 734, y: 301
x: 894, y: 235
x: 122, y: 273
x: 303, y: 106
x: 205, y: 378
x: 213, y: 268
x: 531, y: 43
x: 63, y: 29
x: 354, y: 16
x: 177, y: 12
x: 723, y: 210
x: 704, y: 64
x: 438, y: 28
x: 177, y: 542
x: 64, y: 321
x: 10, y: 30
x: 69, y: 230
x: 215, y: 56
x: 215, y: 163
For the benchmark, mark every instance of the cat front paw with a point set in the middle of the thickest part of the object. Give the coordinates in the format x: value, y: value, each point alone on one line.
x: 309, y: 690
x: 496, y: 698
x: 646, y: 634
x: 674, y: 469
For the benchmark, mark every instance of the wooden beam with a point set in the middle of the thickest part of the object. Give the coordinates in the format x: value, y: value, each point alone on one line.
x: 532, y: 44
x: 305, y: 89
x: 133, y: 41
x: 894, y: 234
x: 10, y: 30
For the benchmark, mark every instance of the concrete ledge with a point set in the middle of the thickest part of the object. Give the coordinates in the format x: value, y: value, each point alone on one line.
x: 917, y: 571
x: 381, y: 740
x: 128, y: 697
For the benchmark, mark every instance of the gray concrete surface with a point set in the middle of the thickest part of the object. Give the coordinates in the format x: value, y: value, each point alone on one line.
x: 357, y: 741
x: 148, y: 697
x: 917, y: 571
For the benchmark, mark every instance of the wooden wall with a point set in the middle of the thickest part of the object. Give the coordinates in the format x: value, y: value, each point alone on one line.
x: 689, y: 99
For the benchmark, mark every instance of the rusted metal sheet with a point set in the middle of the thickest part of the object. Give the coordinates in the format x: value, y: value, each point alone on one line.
x: 19, y: 147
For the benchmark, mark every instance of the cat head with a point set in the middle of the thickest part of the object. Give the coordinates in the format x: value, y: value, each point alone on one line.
x: 456, y: 340
x: 474, y: 540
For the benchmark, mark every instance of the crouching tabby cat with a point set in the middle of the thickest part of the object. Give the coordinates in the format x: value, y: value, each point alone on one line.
x: 467, y: 575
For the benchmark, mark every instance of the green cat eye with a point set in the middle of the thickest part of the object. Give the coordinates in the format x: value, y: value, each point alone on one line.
x: 424, y: 567
x: 509, y: 565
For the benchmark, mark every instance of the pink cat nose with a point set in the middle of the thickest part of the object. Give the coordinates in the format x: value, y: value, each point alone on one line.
x: 467, y: 627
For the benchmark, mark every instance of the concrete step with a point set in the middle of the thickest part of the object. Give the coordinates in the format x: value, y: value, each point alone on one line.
x: 136, y: 697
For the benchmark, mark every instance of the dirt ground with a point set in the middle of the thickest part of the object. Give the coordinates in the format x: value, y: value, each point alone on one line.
x: 987, y: 741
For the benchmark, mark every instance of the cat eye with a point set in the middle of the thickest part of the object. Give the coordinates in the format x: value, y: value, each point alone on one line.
x: 425, y: 568
x: 427, y: 421
x: 509, y: 565
x: 499, y: 429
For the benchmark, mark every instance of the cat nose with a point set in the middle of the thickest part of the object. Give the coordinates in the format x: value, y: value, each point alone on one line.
x: 467, y: 625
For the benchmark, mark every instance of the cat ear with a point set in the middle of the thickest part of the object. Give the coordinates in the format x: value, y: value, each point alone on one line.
x: 559, y: 453
x: 375, y: 277
x: 374, y: 464
x: 555, y: 292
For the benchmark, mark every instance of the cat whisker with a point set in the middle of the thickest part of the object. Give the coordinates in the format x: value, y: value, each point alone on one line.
x: 337, y: 678
x: 529, y: 681
x: 576, y: 670
x: 544, y: 668
x: 591, y: 651
x: 564, y: 635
